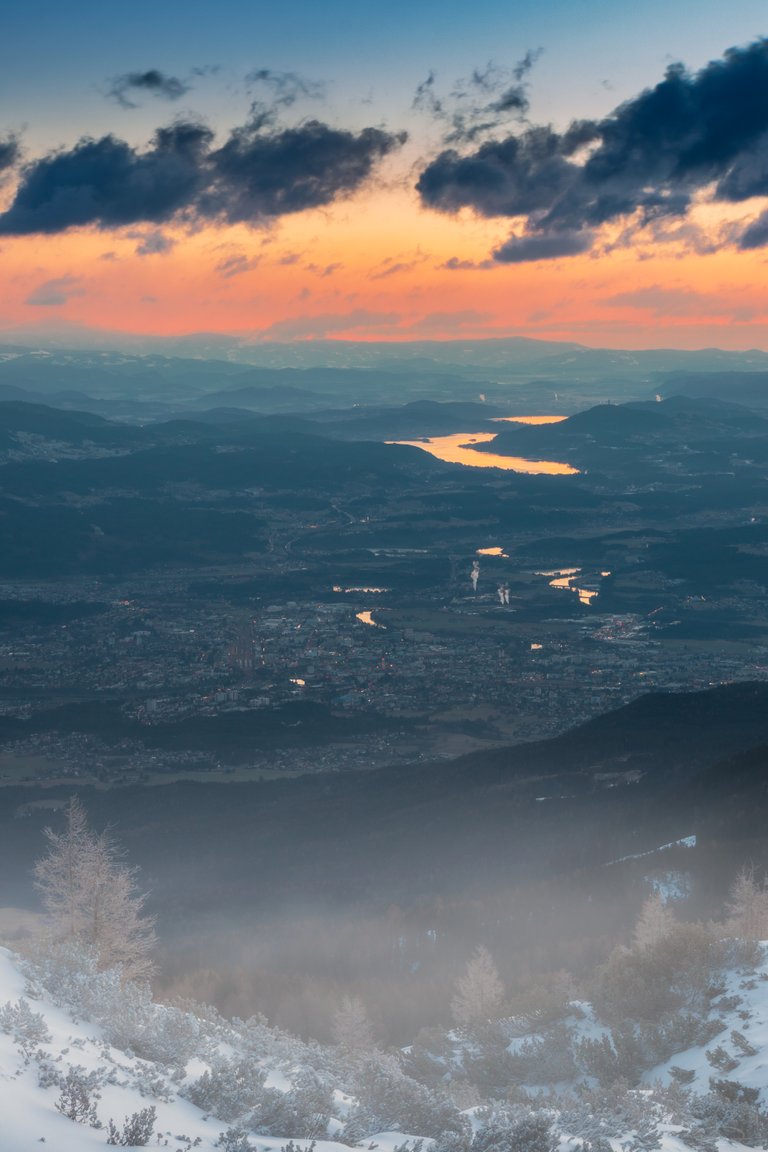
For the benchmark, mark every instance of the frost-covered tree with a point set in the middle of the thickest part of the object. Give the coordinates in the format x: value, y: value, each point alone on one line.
x: 92, y: 898
x: 748, y: 906
x: 479, y: 992
x: 352, y: 1029
x: 654, y: 923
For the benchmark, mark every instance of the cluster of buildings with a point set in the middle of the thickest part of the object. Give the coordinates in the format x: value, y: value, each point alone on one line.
x: 435, y: 679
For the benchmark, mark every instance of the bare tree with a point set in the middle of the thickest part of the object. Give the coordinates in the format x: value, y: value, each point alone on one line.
x: 748, y: 906
x: 479, y: 992
x: 351, y: 1026
x: 92, y: 898
x: 654, y: 923
x: 60, y: 876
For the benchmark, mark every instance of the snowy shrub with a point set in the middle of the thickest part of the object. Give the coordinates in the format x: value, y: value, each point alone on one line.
x: 734, y: 1092
x: 48, y: 1075
x: 674, y: 974
x: 719, y: 1058
x: 547, y: 1059
x: 599, y: 1144
x: 452, y: 1141
x: 234, y: 1140
x: 76, y: 1101
x: 492, y: 1070
x: 304, y: 1110
x: 616, y: 1111
x: 609, y: 1059
x: 682, y: 1075
x: 137, y: 1130
x: 231, y: 1090
x: 150, y: 1083
x: 388, y: 1099
x: 428, y: 1058
x: 737, y: 952
x: 128, y: 1015
x: 506, y: 1131
x: 27, y: 1028
x: 739, y: 1040
x: 729, y: 1111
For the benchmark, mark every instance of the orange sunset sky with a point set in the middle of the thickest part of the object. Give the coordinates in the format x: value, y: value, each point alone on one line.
x: 486, y: 221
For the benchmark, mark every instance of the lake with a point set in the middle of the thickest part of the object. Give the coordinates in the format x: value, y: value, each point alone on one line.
x: 457, y: 449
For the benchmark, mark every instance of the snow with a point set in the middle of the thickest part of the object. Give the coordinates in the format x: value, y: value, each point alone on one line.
x: 29, y: 1118
x: 27, y: 1110
x: 750, y: 1019
x: 685, y: 842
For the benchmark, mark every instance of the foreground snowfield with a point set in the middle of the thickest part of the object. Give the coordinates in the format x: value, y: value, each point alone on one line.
x: 28, y: 1116
x: 34, y: 1061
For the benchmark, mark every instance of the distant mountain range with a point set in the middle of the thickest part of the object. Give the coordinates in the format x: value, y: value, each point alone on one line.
x: 316, y: 374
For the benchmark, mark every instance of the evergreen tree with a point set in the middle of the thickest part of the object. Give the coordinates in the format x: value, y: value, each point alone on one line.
x: 92, y: 899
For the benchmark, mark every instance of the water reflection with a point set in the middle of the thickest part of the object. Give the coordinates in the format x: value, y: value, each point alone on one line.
x: 567, y: 578
x: 528, y: 419
x: 367, y: 618
x: 457, y: 449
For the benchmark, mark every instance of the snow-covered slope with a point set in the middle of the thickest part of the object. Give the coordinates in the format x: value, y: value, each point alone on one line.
x: 41, y: 1042
x: 80, y: 1055
x: 740, y: 1051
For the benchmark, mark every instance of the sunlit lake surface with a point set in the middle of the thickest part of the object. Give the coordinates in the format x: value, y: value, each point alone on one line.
x: 367, y: 618
x: 528, y: 419
x: 568, y: 579
x: 457, y: 449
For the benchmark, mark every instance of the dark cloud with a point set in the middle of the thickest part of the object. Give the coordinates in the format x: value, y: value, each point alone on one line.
x: 153, y: 243
x: 152, y: 81
x: 426, y: 99
x: 323, y: 271
x: 748, y: 176
x: 648, y: 159
x: 756, y: 235
x: 286, y: 88
x: 482, y: 103
x: 454, y: 264
x: 257, y: 175
x: 237, y: 265
x: 393, y: 267
x: 9, y: 153
x: 279, y: 92
x: 254, y: 176
x: 392, y: 270
x: 543, y: 246
x: 108, y: 183
x: 52, y: 293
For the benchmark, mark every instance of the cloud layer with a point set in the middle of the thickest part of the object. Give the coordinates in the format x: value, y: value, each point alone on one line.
x: 648, y: 160
x: 257, y: 174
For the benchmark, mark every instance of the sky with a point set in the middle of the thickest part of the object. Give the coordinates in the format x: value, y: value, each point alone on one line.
x: 574, y: 169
